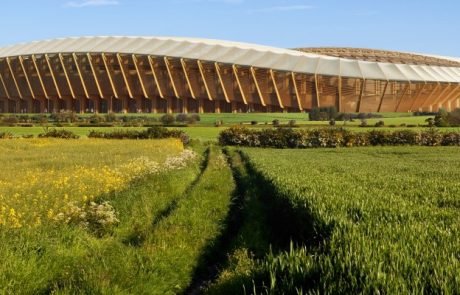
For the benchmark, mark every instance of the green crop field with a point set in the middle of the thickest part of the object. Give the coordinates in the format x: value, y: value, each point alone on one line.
x: 362, y: 220
x: 108, y: 216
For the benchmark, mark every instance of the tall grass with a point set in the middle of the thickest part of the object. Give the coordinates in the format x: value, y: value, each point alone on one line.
x: 373, y: 220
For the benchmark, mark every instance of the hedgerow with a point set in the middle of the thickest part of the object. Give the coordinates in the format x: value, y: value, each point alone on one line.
x: 155, y: 132
x: 334, y: 137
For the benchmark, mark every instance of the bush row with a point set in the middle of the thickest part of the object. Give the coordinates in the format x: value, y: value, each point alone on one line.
x: 156, y: 132
x: 334, y: 137
x: 96, y: 119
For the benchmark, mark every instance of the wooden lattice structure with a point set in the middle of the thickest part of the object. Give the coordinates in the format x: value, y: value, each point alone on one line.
x: 108, y: 74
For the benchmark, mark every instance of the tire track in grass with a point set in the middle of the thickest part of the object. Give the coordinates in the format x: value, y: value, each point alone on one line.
x: 245, y: 228
x: 173, y: 205
x: 182, y: 239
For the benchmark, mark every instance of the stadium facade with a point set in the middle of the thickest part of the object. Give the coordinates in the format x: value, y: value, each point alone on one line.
x: 160, y: 74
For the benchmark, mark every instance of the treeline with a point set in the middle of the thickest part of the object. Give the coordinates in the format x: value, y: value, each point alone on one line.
x: 334, y: 137
x: 103, y: 120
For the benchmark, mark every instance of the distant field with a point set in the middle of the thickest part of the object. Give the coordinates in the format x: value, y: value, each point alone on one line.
x: 205, y: 130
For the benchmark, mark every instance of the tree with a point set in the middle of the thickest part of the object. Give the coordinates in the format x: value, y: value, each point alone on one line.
x: 441, y: 118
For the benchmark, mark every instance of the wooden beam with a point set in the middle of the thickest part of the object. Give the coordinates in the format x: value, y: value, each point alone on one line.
x: 360, y: 99
x: 275, y: 85
x: 144, y: 91
x: 317, y: 91
x: 254, y: 77
x: 221, y: 81
x: 21, y: 61
x: 176, y: 93
x: 14, y: 77
x: 296, y: 89
x: 104, y: 59
x: 455, y: 95
x: 429, y: 96
x: 450, y: 95
x: 93, y: 69
x: 339, y: 85
x: 85, y: 89
x: 417, y: 97
x: 61, y: 58
x: 53, y: 76
x: 155, y: 77
x: 383, y: 96
x: 184, y: 68
x: 235, y: 72
x: 125, y: 77
x: 402, y: 96
x: 440, y: 95
x: 4, y: 86
x: 203, y: 77
x: 37, y: 70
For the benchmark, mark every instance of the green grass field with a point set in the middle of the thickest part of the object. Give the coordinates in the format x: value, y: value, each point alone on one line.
x: 362, y: 220
x: 105, y: 216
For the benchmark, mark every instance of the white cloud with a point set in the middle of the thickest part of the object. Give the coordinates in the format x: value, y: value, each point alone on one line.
x: 283, y: 8
x: 86, y: 3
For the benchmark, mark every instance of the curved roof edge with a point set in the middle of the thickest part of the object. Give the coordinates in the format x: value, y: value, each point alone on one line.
x: 238, y: 53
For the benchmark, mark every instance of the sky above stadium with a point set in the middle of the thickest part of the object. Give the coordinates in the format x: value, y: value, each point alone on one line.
x: 424, y: 26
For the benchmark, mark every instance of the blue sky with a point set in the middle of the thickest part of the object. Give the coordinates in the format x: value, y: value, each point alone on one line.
x: 408, y: 25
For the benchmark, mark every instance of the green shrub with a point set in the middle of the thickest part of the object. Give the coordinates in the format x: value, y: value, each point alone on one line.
x: 379, y: 124
x: 276, y: 122
x: 155, y: 132
x: 441, y: 118
x: 6, y: 135
x: 181, y: 118
x: 62, y: 133
x: 450, y: 138
x: 111, y: 117
x: 167, y: 119
x: 323, y: 113
x: 292, y: 123
x: 333, y: 138
x: 10, y: 120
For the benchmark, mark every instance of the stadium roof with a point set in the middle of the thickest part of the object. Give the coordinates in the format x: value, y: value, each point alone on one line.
x: 244, y: 54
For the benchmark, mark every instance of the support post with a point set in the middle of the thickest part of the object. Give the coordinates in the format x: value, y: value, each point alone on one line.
x: 21, y: 61
x: 155, y: 77
x: 58, y: 91
x: 61, y: 58
x: 93, y: 70
x: 275, y: 86
x: 104, y: 59
x: 203, y: 77
x: 14, y: 77
x: 256, y: 82
x: 296, y: 89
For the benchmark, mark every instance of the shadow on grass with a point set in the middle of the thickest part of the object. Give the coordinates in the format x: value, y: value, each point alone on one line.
x: 261, y: 223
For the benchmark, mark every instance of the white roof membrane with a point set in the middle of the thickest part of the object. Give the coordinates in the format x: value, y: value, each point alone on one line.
x: 241, y: 54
